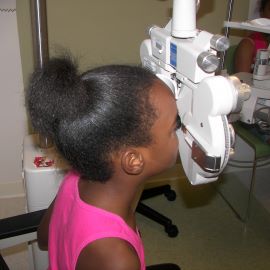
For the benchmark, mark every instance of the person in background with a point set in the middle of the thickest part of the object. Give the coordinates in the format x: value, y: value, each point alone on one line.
x: 116, y: 126
x: 246, y: 51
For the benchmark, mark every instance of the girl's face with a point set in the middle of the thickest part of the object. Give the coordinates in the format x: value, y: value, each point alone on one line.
x: 163, y: 151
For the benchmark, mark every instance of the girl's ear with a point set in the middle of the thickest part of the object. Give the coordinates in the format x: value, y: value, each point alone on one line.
x: 132, y: 161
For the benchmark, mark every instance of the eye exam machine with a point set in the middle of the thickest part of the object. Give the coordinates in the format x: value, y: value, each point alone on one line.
x: 186, y: 59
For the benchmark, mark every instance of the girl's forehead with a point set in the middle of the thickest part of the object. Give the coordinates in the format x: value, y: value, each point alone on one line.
x: 160, y: 88
x: 162, y: 97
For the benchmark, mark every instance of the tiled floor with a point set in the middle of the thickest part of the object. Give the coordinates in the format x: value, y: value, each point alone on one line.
x: 211, y: 236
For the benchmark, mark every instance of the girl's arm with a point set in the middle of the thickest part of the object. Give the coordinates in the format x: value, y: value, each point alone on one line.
x: 243, y: 58
x: 43, y: 229
x: 108, y: 254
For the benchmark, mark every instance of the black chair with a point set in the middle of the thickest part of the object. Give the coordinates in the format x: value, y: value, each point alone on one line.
x: 152, y: 214
x: 26, y: 224
x: 21, y: 225
x: 3, y: 265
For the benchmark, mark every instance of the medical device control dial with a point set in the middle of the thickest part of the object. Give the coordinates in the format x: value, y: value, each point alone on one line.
x: 208, y: 62
x: 219, y: 43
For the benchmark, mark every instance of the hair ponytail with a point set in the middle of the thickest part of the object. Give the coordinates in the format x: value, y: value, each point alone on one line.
x: 55, y: 93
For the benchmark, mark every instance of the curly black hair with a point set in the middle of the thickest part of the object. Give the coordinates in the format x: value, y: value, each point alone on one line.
x: 91, y: 115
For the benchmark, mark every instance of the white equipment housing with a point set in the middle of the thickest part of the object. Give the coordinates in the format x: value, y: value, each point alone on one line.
x: 41, y: 186
x: 258, y: 105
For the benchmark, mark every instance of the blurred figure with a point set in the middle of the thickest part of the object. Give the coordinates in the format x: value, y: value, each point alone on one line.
x: 246, y: 51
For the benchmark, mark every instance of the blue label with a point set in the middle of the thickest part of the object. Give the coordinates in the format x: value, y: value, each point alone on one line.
x: 173, y: 55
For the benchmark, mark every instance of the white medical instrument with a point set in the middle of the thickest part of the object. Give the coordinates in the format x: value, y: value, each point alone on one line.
x: 257, y: 107
x: 261, y: 86
x: 185, y: 58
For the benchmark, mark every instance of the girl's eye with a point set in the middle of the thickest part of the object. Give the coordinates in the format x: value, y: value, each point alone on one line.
x: 178, y: 122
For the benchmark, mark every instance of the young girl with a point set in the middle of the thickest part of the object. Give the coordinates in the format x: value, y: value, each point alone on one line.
x: 116, y: 126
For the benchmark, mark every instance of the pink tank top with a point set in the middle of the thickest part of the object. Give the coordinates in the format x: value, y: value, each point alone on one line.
x: 259, y: 42
x: 75, y: 224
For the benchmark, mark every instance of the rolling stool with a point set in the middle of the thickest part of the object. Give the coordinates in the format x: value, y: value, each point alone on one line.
x: 152, y: 214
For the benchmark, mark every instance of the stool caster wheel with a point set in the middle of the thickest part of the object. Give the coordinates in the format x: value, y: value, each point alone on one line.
x: 171, y: 230
x: 170, y: 195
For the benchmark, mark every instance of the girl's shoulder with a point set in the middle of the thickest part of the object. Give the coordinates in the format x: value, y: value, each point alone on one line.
x: 108, y: 253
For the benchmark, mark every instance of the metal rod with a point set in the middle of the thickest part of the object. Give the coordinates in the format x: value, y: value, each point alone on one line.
x: 40, y: 46
x: 39, y: 31
x: 226, y: 33
x: 229, y: 16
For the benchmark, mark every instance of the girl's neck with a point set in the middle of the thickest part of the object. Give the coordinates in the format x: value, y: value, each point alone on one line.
x: 118, y: 199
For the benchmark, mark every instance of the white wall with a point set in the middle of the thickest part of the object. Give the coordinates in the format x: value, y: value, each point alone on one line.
x: 12, y: 111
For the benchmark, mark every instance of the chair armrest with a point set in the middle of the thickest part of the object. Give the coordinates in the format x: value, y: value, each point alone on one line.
x: 22, y: 224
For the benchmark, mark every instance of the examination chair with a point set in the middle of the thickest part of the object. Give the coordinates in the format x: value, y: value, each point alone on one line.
x: 152, y: 214
x: 22, y: 228
x: 149, y: 192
